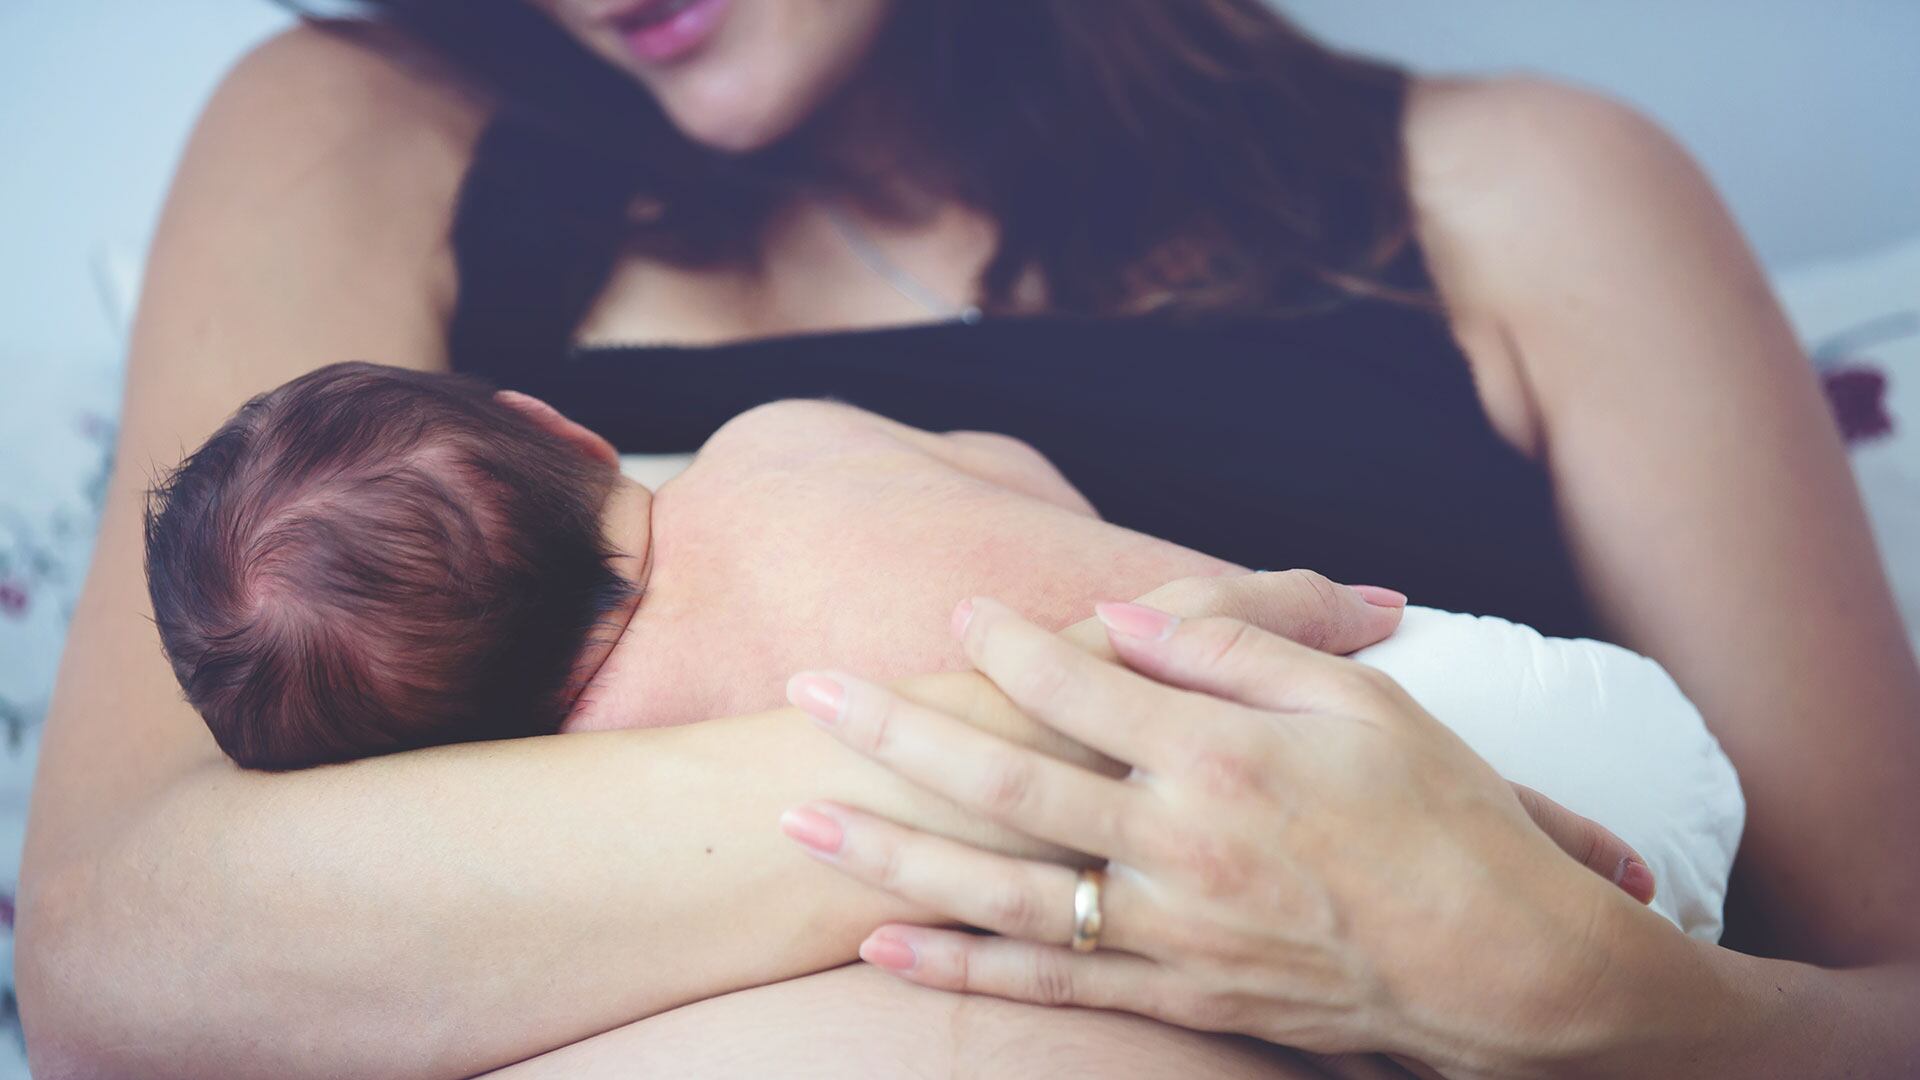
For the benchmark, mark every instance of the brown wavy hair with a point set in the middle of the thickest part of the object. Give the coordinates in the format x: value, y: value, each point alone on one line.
x: 1136, y: 154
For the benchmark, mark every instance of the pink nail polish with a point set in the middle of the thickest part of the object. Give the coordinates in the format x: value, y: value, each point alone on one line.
x: 890, y: 953
x: 1379, y: 597
x: 962, y: 615
x: 1134, y: 621
x: 813, y: 829
x: 1636, y: 879
x: 818, y: 696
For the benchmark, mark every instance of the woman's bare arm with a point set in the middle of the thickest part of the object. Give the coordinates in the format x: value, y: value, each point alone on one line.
x: 1609, y: 297
x: 440, y: 912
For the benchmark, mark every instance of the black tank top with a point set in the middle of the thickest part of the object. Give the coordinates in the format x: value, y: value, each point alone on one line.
x: 1347, y: 438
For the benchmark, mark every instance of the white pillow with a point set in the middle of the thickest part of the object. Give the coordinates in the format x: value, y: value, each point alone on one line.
x: 1600, y: 730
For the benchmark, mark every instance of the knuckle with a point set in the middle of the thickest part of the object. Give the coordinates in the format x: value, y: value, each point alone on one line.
x: 889, y: 869
x: 1321, y: 608
x: 1223, y: 774
x: 1320, y: 587
x: 1041, y: 682
x: 1212, y: 869
x: 1226, y: 641
x: 1011, y: 908
x: 1353, y: 683
x: 1052, y: 978
x: 883, y: 720
x: 1007, y: 783
x: 962, y: 968
x: 1598, y: 855
x: 1596, y: 844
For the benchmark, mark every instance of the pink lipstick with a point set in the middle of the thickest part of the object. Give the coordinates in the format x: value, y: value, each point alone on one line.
x: 661, y: 31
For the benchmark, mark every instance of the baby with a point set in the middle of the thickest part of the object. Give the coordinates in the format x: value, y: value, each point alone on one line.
x: 368, y: 559
x: 371, y: 559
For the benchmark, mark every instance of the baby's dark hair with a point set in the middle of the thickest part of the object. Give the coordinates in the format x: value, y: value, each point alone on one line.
x: 370, y: 559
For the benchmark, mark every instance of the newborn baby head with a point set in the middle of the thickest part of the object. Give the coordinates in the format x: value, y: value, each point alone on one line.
x: 371, y: 559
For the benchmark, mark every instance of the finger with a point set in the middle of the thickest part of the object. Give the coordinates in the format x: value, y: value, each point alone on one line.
x: 1590, y: 844
x: 1102, y: 705
x: 1018, y: 970
x: 1299, y: 605
x: 1017, y: 898
x: 1021, y: 788
x: 1237, y: 661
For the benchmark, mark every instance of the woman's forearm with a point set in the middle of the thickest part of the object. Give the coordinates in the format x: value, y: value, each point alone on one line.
x: 1674, y: 1007
x: 362, y: 919
x: 1803, y: 1021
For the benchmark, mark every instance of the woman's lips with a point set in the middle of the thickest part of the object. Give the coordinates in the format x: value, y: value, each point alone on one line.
x: 662, y: 30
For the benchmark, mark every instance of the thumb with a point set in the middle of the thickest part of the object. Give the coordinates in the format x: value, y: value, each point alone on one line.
x: 1590, y: 844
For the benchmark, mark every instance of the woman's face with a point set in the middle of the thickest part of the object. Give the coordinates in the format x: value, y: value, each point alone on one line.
x: 733, y: 74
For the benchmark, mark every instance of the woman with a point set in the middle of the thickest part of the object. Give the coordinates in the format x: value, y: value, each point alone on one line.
x: 738, y: 169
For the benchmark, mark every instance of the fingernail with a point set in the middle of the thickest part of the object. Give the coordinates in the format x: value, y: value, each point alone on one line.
x: 1636, y: 879
x: 962, y: 615
x: 1134, y: 621
x: 817, y: 696
x: 813, y: 829
x: 890, y: 953
x: 1379, y: 597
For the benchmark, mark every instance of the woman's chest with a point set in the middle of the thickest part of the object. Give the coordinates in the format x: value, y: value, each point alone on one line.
x: 818, y: 271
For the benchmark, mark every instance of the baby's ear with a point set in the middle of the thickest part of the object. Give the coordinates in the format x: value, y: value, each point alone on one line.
x: 550, y: 420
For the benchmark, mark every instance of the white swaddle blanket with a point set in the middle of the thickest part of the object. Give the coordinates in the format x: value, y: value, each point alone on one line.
x: 1600, y: 730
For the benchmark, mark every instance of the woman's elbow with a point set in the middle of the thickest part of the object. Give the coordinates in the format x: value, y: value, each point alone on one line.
x: 66, y: 1003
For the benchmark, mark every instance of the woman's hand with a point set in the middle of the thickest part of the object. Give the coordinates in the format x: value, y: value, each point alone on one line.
x: 1301, y: 853
x: 1298, y: 605
x: 1307, y: 608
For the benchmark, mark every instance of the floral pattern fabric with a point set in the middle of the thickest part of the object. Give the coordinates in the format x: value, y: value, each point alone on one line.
x: 57, y: 425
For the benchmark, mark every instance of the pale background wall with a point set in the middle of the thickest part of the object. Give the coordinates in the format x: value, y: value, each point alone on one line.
x: 1804, y: 110
x: 1807, y: 112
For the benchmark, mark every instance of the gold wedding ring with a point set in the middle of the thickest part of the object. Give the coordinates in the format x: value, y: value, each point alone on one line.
x: 1086, y: 910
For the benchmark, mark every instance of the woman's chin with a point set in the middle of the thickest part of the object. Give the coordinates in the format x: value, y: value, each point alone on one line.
x: 728, y: 117
x: 733, y: 136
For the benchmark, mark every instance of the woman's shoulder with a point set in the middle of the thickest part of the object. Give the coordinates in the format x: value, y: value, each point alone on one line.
x: 354, y: 115
x: 1512, y: 176
x: 320, y: 180
x: 1527, y: 192
x: 1522, y: 148
x: 361, y: 77
x: 321, y: 176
